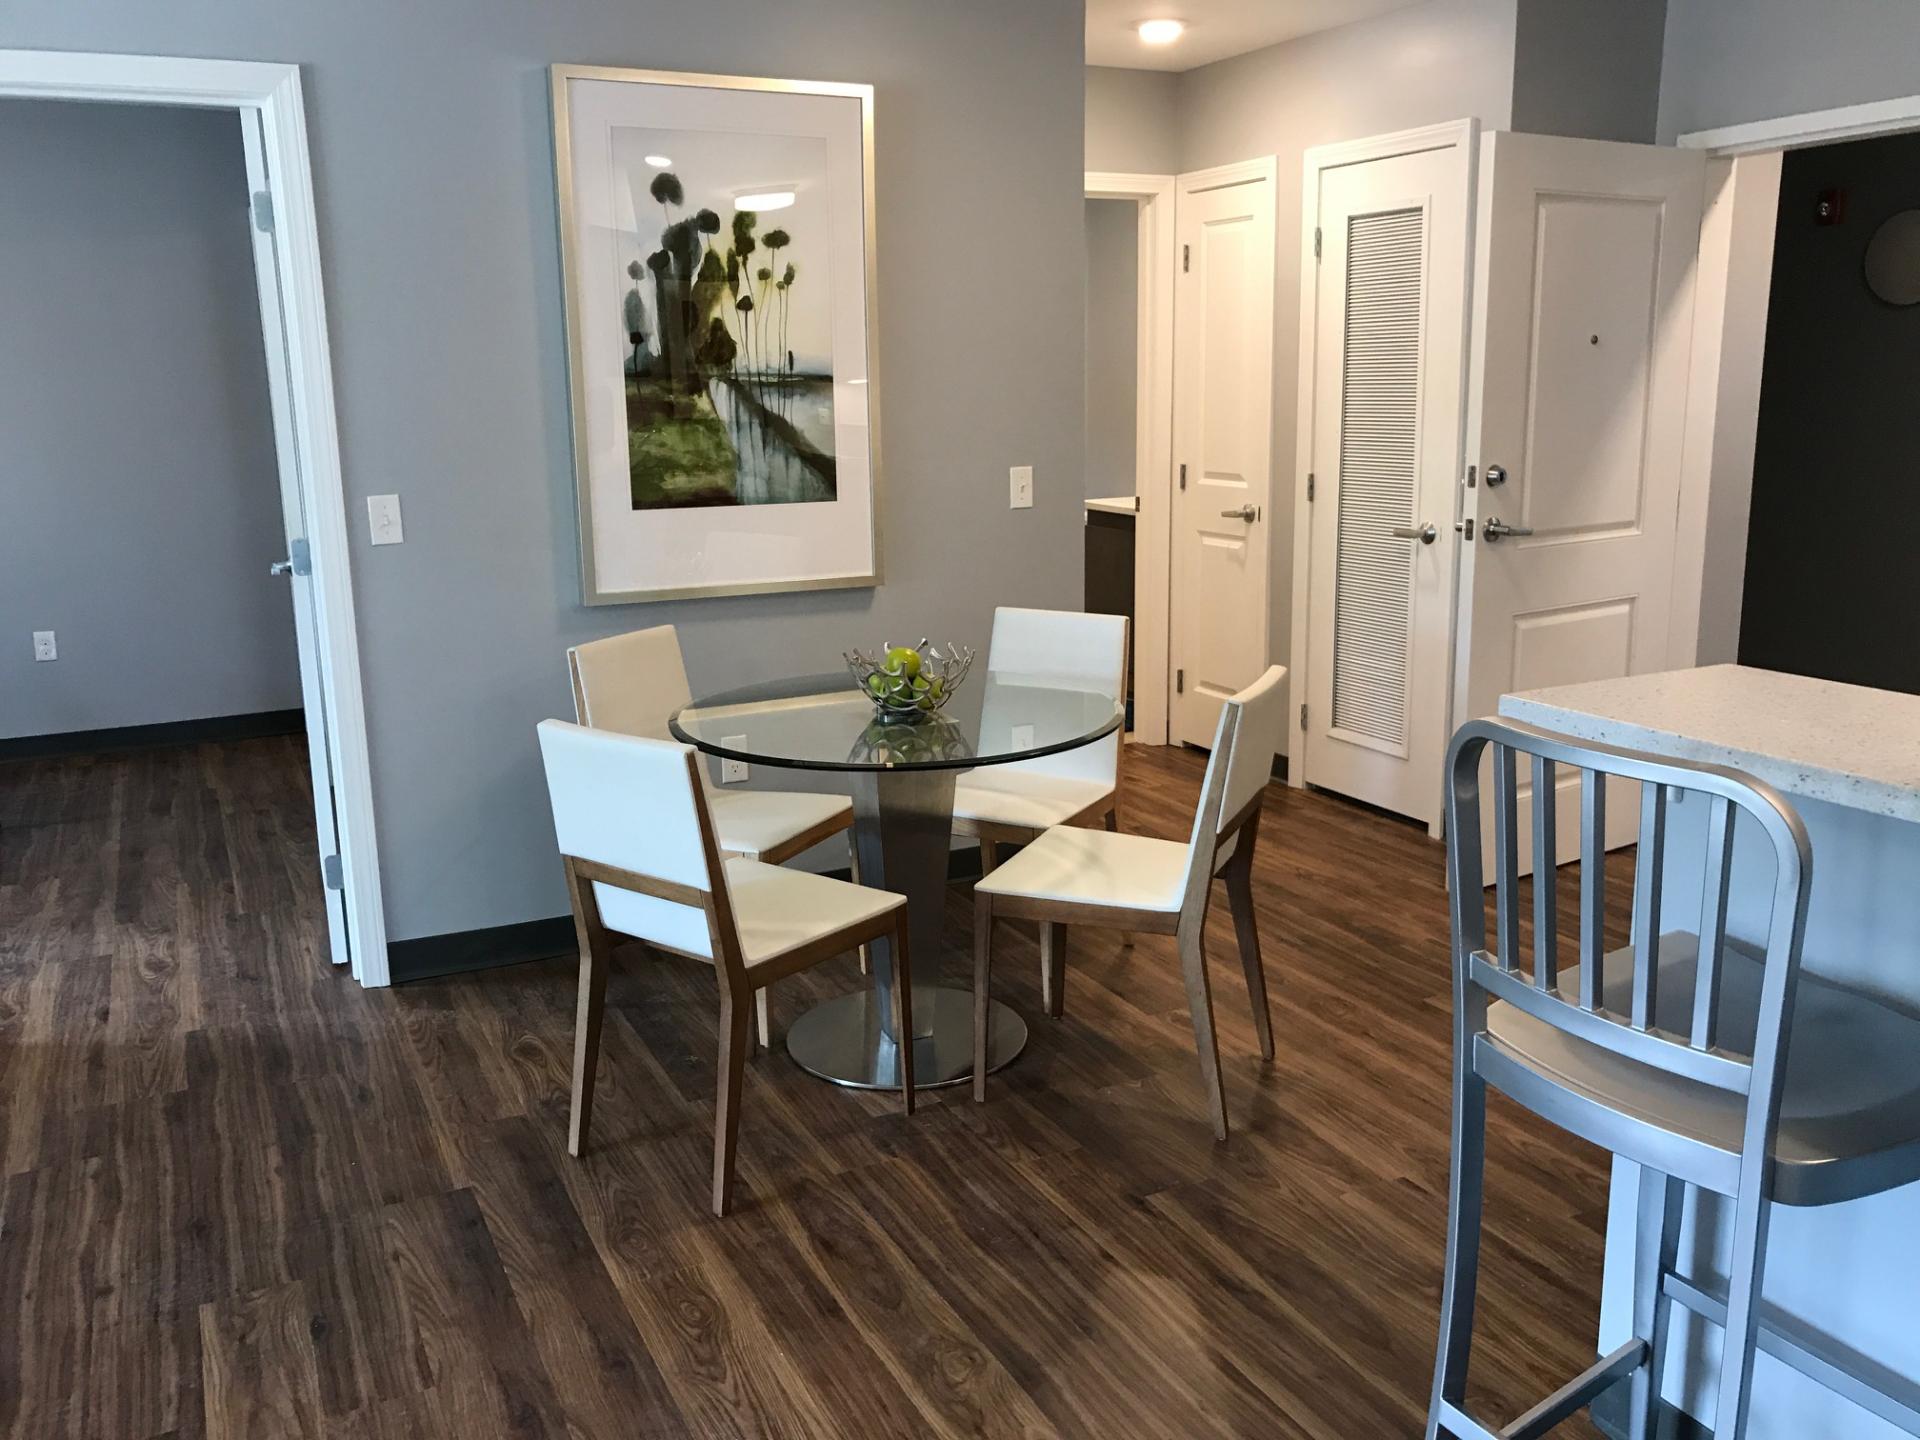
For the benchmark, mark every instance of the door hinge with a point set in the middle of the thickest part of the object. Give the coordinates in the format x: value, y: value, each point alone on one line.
x: 1179, y: 682
x: 1183, y: 477
x: 1316, y: 242
x: 263, y: 212
x: 330, y: 869
x: 1309, y: 487
x: 1303, y: 714
x: 302, y: 556
x: 1186, y: 258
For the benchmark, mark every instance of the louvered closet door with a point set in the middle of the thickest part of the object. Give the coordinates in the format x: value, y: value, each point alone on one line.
x: 1386, y: 416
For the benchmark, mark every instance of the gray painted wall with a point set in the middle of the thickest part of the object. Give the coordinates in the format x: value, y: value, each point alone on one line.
x: 139, y: 504
x: 1732, y: 61
x: 1830, y: 586
x: 1113, y: 323
x: 1133, y: 121
x: 1588, y: 69
x: 434, y: 168
x: 1444, y: 60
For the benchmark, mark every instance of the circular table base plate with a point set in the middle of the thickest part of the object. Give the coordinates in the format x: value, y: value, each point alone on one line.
x: 841, y: 1040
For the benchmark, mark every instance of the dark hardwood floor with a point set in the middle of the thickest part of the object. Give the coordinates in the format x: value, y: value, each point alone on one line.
x: 245, y: 1198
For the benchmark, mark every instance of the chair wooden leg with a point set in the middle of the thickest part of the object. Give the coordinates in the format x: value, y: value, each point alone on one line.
x: 982, y: 966
x: 853, y: 869
x: 763, y: 1026
x: 1053, y: 968
x: 735, y: 1028
x: 989, y: 855
x: 1193, y: 963
x: 1240, y: 900
x: 590, y: 1007
x: 1113, y: 820
x: 903, y: 1009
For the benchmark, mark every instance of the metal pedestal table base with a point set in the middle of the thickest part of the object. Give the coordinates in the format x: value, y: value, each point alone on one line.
x: 902, y: 828
x: 842, y: 1040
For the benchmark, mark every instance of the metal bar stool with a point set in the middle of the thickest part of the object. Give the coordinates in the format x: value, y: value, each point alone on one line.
x: 1704, y: 1060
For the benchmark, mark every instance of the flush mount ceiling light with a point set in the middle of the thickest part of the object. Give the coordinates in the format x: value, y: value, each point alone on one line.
x: 764, y: 200
x: 659, y: 162
x: 1161, y: 32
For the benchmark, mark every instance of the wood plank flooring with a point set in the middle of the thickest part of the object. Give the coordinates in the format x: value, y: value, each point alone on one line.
x: 241, y: 1197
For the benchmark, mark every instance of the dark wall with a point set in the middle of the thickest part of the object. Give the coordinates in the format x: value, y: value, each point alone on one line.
x: 1833, y: 579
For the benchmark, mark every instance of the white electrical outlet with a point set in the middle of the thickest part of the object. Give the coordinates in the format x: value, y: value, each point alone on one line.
x: 1020, y: 487
x: 1022, y: 737
x: 383, y: 519
x: 732, y: 772
x: 43, y: 646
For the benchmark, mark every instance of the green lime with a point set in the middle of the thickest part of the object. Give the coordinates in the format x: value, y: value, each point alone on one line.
x: 877, y: 684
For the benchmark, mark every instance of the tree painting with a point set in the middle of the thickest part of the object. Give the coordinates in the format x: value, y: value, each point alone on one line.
x: 729, y: 381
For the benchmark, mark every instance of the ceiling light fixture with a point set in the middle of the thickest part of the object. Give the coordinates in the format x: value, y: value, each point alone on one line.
x: 764, y: 200
x: 659, y: 162
x: 1161, y: 32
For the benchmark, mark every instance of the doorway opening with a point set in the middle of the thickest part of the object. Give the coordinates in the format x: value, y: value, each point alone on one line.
x: 274, y: 212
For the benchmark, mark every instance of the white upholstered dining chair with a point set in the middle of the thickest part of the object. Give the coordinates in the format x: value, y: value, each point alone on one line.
x: 632, y: 684
x: 643, y: 859
x: 1071, y: 876
x: 1014, y: 803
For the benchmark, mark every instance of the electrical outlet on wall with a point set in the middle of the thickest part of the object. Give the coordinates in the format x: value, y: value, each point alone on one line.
x: 732, y: 772
x: 383, y: 519
x: 1020, y: 487
x: 43, y: 646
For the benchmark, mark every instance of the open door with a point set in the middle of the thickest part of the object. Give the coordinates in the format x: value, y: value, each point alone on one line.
x: 295, y: 564
x: 1384, y: 348
x: 1220, y: 603
x: 1576, y: 409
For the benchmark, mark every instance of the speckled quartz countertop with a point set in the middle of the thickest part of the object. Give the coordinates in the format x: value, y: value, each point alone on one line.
x: 1843, y: 744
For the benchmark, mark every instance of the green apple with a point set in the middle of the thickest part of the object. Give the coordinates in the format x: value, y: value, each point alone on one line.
x: 903, y: 660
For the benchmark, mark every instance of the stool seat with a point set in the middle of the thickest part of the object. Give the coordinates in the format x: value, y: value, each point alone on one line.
x: 1850, y: 1115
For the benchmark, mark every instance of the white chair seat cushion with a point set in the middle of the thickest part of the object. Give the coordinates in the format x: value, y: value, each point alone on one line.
x: 1852, y: 1091
x: 1024, y: 799
x: 775, y: 909
x: 753, y: 822
x: 1096, y: 867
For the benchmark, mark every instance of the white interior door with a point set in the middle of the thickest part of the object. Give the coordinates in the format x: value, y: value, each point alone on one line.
x: 1583, y: 304
x: 1389, y: 335
x: 1223, y: 442
x: 266, y: 269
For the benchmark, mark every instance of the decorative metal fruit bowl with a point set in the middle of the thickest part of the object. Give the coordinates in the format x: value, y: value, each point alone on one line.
x: 905, y: 682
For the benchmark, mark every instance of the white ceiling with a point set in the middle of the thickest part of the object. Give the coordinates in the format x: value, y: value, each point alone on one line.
x: 1215, y: 28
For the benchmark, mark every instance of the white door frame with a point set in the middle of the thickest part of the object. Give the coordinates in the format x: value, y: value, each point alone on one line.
x: 1735, y: 279
x: 1153, y: 442
x: 272, y: 92
x: 1463, y: 136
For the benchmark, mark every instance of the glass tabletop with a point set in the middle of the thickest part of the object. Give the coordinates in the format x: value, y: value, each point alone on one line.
x: 821, y: 722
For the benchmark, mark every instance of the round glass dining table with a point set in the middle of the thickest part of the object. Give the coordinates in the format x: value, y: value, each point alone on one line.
x: 901, y: 774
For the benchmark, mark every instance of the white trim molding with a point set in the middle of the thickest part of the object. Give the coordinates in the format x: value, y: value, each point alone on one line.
x: 1153, y: 442
x: 272, y: 93
x: 1814, y: 127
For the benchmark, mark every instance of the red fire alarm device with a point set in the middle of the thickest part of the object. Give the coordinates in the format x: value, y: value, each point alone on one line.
x: 1830, y: 206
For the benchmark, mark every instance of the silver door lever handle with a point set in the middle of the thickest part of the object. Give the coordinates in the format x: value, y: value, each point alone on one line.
x: 1248, y: 513
x: 1496, y: 527
x: 1425, y: 534
x: 280, y: 567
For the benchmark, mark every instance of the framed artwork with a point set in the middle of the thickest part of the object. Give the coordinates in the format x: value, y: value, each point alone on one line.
x: 717, y: 253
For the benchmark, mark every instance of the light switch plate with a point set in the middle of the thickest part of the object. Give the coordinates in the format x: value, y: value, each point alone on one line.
x: 1020, y: 487
x: 383, y: 519
x: 732, y: 772
x: 44, y: 647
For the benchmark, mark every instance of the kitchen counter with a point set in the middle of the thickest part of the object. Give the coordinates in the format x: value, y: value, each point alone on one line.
x: 1848, y: 760
x: 1819, y: 739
